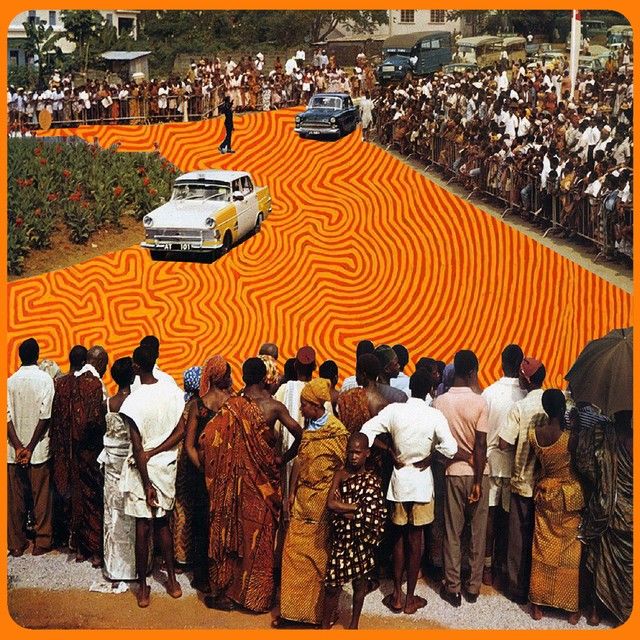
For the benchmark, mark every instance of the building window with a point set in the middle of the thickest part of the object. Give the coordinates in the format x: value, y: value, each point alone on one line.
x: 438, y: 16
x: 407, y: 16
x: 32, y: 19
x: 52, y: 18
x: 14, y: 57
x: 125, y: 26
x: 109, y: 19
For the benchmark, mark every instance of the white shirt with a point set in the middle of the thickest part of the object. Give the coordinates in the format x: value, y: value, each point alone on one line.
x: 402, y: 383
x: 413, y: 427
x: 158, y: 374
x: 349, y: 383
x: 500, y: 396
x: 29, y: 399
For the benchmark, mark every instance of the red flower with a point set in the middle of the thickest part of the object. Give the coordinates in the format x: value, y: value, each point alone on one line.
x: 117, y: 191
x: 37, y: 151
x: 52, y: 197
x: 43, y: 161
x: 146, y: 182
x: 21, y: 183
x: 66, y: 173
x: 153, y: 192
x: 85, y: 204
x: 19, y: 222
x: 38, y: 212
x: 75, y: 196
x: 141, y: 171
x: 58, y: 149
x: 28, y: 182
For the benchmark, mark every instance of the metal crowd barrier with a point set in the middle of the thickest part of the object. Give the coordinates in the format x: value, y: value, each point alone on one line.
x: 521, y: 192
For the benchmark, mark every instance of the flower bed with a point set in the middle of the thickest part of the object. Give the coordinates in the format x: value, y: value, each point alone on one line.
x: 70, y: 184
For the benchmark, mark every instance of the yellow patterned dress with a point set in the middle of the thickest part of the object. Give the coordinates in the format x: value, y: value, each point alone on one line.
x: 556, y: 549
x: 306, y: 547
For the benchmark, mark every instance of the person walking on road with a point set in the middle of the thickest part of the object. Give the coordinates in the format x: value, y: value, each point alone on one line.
x: 226, y: 109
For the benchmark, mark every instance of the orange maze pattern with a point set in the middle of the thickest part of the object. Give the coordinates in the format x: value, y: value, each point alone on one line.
x: 359, y: 245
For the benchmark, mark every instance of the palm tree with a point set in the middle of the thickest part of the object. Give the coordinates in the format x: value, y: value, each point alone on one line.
x: 41, y: 47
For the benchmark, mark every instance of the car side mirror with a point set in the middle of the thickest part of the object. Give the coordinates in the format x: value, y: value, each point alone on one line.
x: 239, y: 196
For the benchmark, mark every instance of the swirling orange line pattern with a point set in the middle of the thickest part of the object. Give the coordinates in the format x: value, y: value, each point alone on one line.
x: 359, y: 245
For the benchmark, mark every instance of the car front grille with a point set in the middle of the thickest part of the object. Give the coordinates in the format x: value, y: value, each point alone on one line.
x: 179, y: 235
x: 315, y: 124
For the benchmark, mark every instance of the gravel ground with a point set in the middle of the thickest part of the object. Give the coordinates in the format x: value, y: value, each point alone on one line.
x: 57, y: 573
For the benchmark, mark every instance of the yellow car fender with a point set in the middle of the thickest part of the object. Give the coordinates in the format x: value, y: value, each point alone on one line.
x: 227, y: 218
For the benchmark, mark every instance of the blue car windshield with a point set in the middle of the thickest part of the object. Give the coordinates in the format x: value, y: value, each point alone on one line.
x: 325, y: 102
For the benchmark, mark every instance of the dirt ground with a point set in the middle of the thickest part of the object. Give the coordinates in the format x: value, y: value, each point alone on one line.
x: 64, y: 253
x: 62, y: 610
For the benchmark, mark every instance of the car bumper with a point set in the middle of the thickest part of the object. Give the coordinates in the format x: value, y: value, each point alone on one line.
x: 317, y: 132
x: 179, y: 247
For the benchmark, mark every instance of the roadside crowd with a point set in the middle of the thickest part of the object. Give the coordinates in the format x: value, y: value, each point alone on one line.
x: 284, y: 482
x: 196, y: 94
x: 516, y: 134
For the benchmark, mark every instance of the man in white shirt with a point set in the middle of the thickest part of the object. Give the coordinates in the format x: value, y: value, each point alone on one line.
x: 29, y: 397
x: 152, y: 414
x: 416, y: 430
x: 154, y: 345
x: 290, y: 65
x: 500, y: 396
x: 402, y: 380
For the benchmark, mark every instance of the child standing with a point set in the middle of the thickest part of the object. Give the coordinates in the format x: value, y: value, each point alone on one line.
x: 359, y: 509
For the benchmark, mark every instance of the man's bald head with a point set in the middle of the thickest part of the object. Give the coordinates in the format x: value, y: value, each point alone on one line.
x: 269, y: 349
x: 98, y: 358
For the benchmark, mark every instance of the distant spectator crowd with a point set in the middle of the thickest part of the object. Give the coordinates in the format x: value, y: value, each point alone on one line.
x: 515, y: 133
x: 194, y: 95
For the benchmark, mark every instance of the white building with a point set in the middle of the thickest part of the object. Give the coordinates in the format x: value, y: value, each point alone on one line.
x: 125, y: 21
x: 403, y: 21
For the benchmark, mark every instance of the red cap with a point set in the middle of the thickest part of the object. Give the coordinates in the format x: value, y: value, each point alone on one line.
x: 306, y: 355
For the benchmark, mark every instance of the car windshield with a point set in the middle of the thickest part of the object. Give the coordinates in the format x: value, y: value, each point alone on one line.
x: 201, y: 191
x: 325, y: 102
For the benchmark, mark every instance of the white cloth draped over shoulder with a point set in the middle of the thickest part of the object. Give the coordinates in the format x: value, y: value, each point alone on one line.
x: 155, y: 409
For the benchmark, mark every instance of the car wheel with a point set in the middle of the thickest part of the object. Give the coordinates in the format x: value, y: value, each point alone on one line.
x: 158, y: 255
x: 258, y: 226
x: 227, y: 243
x: 303, y: 136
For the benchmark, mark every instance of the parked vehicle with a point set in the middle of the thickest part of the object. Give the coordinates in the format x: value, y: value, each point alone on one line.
x: 618, y: 35
x: 515, y: 48
x: 595, y: 30
x: 328, y: 114
x: 589, y: 63
x: 460, y: 67
x: 416, y: 54
x: 208, y: 212
x: 548, y: 59
x: 481, y: 50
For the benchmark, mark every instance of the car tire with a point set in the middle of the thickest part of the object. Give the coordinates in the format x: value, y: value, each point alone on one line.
x: 303, y: 136
x: 258, y: 226
x: 227, y: 243
x: 158, y: 255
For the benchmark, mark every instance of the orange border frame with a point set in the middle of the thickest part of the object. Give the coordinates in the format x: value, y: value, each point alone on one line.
x: 7, y: 625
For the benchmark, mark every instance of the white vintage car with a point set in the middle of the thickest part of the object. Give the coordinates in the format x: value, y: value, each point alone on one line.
x: 208, y: 212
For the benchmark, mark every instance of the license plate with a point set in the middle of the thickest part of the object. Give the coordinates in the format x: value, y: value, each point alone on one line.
x: 314, y: 132
x: 388, y: 68
x: 182, y: 246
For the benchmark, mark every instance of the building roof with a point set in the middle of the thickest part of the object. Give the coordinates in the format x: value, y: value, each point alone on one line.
x: 124, y: 55
x: 212, y: 175
x: 408, y: 40
x: 478, y: 40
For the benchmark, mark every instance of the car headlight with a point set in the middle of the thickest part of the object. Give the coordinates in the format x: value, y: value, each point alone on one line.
x: 210, y: 222
x: 298, y: 119
x: 147, y: 221
x: 332, y: 121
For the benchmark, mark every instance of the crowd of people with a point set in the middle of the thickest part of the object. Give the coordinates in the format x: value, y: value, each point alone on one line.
x: 515, y: 133
x: 194, y: 95
x: 286, y: 483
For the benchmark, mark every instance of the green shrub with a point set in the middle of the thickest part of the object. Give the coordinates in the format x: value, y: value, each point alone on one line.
x: 53, y: 184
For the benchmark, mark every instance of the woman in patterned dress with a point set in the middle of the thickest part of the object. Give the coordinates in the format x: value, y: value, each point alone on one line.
x: 191, y: 512
x: 555, y: 560
x: 119, y: 529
